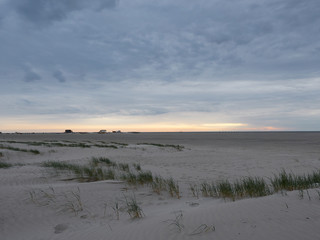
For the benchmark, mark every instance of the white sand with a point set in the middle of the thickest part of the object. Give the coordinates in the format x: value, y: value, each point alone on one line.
x: 206, y: 156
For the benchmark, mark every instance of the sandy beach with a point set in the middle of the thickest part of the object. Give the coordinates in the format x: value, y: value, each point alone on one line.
x: 39, y: 202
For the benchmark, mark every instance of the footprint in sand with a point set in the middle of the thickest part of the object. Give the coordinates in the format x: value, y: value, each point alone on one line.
x: 60, y: 228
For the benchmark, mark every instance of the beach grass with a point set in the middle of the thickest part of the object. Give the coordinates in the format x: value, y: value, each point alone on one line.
x: 58, y: 144
x: 177, y: 222
x: 137, y: 166
x: 144, y: 177
x: 103, y: 161
x: 158, y: 184
x: 103, y: 169
x: 251, y: 187
x: 73, y: 202
x: 173, y: 188
x: 177, y: 147
x: 133, y: 208
x: 258, y: 186
x: 19, y: 149
x: 52, y: 144
x: 61, y: 165
x: 208, y: 190
x: 194, y: 190
x: 124, y: 167
x: 66, y: 144
x: 69, y: 201
x: 290, y: 181
x: 83, y: 173
x: 248, y: 187
x: 93, y: 174
x: 116, y: 209
x: 121, y: 144
x: 129, y: 177
x: 225, y: 189
x: 105, y: 146
x: 5, y: 165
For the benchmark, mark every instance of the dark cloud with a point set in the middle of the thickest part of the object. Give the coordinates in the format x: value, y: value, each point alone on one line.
x: 43, y: 12
x: 31, y: 76
x: 59, y: 76
x: 172, y: 40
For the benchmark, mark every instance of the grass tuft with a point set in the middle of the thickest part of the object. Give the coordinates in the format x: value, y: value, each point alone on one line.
x: 137, y: 166
x: 173, y: 188
x: 255, y: 187
x: 5, y: 165
x: 130, y: 178
x: 194, y: 190
x: 225, y: 190
x: 289, y: 181
x: 73, y: 202
x: 258, y: 187
x: 177, y: 222
x: 144, y: 177
x: 133, y: 208
x: 103, y: 161
x: 69, y: 201
x: 158, y: 184
x: 124, y: 167
x: 208, y: 190
x: 84, y: 173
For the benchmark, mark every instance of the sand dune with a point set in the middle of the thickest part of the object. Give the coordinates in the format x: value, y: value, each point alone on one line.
x: 35, y: 201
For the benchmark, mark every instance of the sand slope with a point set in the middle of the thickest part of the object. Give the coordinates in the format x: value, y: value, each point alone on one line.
x: 35, y: 201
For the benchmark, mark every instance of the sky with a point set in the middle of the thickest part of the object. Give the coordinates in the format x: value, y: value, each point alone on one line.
x: 159, y: 65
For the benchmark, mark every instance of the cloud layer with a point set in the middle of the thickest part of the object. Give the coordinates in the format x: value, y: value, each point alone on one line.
x: 197, y: 63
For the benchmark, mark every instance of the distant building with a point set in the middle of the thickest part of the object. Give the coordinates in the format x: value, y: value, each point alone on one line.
x: 68, y: 131
x: 102, y: 131
x: 116, y: 131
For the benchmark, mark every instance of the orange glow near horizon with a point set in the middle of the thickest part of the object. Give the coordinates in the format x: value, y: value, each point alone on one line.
x: 267, y: 128
x: 148, y: 127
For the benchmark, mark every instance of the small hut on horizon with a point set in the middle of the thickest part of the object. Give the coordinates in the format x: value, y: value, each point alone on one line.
x: 68, y: 131
x: 118, y: 131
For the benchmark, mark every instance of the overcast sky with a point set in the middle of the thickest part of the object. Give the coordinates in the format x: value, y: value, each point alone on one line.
x: 159, y: 65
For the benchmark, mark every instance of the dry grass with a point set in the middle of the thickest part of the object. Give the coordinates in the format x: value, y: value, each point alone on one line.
x: 133, y: 208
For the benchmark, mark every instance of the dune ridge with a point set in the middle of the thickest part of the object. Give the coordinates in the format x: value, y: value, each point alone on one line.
x: 41, y: 203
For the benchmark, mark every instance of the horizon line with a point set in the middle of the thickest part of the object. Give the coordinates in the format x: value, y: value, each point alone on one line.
x: 119, y: 132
